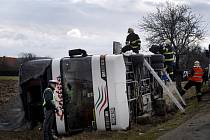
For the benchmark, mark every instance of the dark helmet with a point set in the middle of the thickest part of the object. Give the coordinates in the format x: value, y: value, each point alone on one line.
x: 130, y: 30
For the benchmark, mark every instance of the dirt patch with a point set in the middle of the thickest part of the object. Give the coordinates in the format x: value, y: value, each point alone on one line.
x: 8, y: 89
x: 34, y: 134
x: 158, y: 126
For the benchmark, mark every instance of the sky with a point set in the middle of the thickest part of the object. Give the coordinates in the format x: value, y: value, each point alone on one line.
x: 52, y: 27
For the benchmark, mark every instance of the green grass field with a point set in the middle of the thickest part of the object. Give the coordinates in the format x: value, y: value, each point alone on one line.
x: 9, y: 78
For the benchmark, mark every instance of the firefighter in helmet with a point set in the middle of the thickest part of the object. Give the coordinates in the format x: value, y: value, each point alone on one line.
x: 169, y: 55
x: 195, y: 79
x: 132, y: 42
x: 49, y: 110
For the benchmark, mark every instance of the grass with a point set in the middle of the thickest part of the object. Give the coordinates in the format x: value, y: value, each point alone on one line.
x: 154, y: 130
x: 176, y: 120
x: 136, y: 133
x: 139, y: 132
x: 9, y: 78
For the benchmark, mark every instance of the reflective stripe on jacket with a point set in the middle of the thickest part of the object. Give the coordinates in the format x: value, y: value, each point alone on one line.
x: 169, y: 56
x: 133, y: 40
x: 135, y: 43
x: 198, y: 74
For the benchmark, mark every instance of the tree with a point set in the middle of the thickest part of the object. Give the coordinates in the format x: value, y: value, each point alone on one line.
x: 24, y: 57
x: 194, y: 54
x: 176, y: 23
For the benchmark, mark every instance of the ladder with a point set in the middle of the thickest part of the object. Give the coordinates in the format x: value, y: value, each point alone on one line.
x: 131, y: 79
x: 138, y: 88
x: 173, y: 88
x: 132, y: 88
x: 145, y: 88
x: 168, y: 92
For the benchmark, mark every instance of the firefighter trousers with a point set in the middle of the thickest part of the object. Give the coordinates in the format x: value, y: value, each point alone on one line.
x: 48, y: 124
x: 197, y: 85
x: 128, y: 48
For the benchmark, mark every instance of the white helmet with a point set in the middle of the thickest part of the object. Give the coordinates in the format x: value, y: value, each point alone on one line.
x: 53, y: 81
x: 196, y: 63
x: 167, y: 42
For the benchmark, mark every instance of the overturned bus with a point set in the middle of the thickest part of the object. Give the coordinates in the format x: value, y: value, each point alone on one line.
x: 103, y: 92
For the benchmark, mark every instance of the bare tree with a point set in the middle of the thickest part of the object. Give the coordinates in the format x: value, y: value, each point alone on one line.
x: 194, y: 54
x: 24, y: 57
x: 176, y: 23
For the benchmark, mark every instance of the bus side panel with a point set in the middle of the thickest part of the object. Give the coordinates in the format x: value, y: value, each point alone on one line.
x: 100, y: 93
x: 58, y: 97
x: 116, y: 81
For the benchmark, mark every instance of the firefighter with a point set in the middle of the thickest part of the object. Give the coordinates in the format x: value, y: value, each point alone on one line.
x: 195, y: 79
x: 132, y: 42
x: 49, y: 110
x: 168, y: 53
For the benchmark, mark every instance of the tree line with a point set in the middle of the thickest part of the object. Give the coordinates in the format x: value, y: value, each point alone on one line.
x: 10, y: 66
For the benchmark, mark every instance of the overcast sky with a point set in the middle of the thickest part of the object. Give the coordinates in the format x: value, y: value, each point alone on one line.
x: 52, y: 27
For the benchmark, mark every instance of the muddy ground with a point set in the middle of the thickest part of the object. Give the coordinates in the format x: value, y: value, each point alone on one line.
x: 8, y: 88
x: 157, y: 126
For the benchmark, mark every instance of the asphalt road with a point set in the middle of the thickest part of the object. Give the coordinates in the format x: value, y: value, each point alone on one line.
x: 197, y: 128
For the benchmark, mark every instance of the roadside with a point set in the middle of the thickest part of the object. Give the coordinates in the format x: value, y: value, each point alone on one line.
x: 159, y: 125
x: 196, y: 128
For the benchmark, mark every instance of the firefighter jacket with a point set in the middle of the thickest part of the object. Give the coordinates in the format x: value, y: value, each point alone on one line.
x: 197, y: 74
x: 169, y: 55
x: 133, y: 40
x: 49, y: 99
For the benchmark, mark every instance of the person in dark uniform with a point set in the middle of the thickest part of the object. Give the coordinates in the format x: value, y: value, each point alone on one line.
x: 132, y: 42
x: 49, y: 110
x: 169, y: 55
